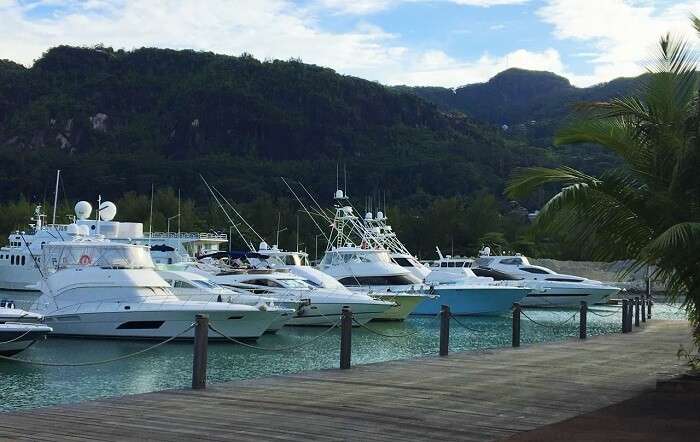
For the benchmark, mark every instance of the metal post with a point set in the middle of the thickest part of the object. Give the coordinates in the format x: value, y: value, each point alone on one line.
x: 199, y: 362
x: 516, y: 325
x: 345, y: 338
x: 630, y: 313
x: 444, y: 330
x: 637, y: 304
x: 644, y: 308
x: 583, y: 316
x: 624, y: 316
x: 649, y: 303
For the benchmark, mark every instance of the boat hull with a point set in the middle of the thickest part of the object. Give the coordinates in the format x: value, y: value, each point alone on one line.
x: 405, y: 304
x: 557, y: 296
x: 159, y: 324
x: 472, y: 300
x: 15, y: 338
x: 327, y: 314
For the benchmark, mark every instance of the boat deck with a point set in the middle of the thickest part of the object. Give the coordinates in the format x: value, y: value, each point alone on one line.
x: 481, y: 395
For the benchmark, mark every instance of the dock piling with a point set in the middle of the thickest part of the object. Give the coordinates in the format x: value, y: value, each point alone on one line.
x: 583, y: 318
x: 345, y: 338
x: 624, y: 315
x: 199, y: 360
x: 649, y: 303
x: 644, y: 308
x: 637, y: 305
x: 516, y: 325
x: 444, y: 330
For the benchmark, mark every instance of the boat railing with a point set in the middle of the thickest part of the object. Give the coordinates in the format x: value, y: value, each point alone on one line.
x: 188, y: 235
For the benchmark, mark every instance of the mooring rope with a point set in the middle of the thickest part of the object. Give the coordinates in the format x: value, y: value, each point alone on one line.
x: 291, y: 347
x: 466, y: 326
x: 104, y: 361
x: 550, y: 325
x: 615, y: 313
x: 386, y: 335
x: 17, y: 338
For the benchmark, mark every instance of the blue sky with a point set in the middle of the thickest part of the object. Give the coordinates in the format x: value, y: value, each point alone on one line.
x: 417, y: 42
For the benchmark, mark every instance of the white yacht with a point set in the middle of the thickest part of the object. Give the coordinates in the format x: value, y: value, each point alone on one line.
x: 368, y: 266
x: 467, y: 294
x: 19, y: 329
x: 188, y: 286
x: 319, y: 306
x: 549, y: 289
x: 20, y: 258
x: 96, y: 288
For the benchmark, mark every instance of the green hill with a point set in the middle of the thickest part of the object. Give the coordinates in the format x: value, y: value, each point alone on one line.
x: 116, y: 122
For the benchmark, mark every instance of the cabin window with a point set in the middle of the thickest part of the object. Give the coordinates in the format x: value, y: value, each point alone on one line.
x: 564, y: 279
x: 23, y: 259
x: 403, y: 262
x: 511, y: 261
x: 443, y: 264
x: 183, y: 285
x: 12, y: 260
x: 534, y: 270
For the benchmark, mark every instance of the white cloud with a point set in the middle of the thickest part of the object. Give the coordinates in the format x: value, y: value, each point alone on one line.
x: 363, y: 7
x: 624, y: 33
x: 265, y: 28
x: 438, y: 69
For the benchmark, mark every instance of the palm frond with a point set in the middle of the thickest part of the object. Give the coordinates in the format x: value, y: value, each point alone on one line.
x: 527, y: 180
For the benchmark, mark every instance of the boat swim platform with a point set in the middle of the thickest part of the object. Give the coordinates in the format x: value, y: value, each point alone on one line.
x: 476, y: 395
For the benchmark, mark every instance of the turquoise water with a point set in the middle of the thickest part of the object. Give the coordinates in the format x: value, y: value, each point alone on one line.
x: 27, y: 386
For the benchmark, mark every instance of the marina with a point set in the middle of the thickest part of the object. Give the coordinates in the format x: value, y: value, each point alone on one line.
x: 475, y: 395
x: 170, y: 366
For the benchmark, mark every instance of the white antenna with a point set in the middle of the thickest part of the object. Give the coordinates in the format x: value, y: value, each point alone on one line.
x: 178, y: 212
x: 345, y: 175
x: 97, y: 213
x: 150, y: 222
x: 279, y: 219
x: 337, y: 185
x: 55, y: 197
x: 303, y: 206
x: 233, y: 224
x: 297, y: 233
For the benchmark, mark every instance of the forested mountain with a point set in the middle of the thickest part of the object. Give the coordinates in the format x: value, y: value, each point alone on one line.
x: 116, y: 122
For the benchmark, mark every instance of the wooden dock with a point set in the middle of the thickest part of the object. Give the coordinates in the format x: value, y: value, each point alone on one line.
x: 483, y: 395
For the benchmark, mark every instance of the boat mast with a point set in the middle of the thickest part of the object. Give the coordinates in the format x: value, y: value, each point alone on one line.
x: 55, y: 196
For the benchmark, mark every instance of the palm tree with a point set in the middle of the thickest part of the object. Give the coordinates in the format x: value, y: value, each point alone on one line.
x: 647, y: 209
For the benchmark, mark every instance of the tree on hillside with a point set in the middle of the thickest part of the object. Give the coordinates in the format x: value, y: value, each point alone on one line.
x: 648, y: 209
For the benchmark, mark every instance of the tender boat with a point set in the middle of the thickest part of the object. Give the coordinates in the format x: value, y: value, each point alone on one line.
x: 93, y: 287
x: 188, y: 286
x: 19, y: 329
x: 549, y: 288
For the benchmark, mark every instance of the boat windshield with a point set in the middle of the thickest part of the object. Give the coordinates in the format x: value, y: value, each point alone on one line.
x: 205, y: 283
x: 359, y: 257
x: 59, y: 256
x: 295, y: 284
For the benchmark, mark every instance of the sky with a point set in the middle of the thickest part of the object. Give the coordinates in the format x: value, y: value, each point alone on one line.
x: 414, y: 42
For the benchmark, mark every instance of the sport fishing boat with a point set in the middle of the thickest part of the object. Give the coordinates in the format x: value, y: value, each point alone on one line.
x: 377, y: 226
x: 357, y: 258
x: 188, y: 286
x: 19, y: 329
x: 93, y: 287
x: 549, y: 288
x: 465, y: 293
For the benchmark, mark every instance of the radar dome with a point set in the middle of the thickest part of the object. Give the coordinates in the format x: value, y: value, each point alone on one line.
x: 83, y: 210
x: 368, y: 215
x: 263, y: 246
x: 380, y: 215
x: 108, y: 210
x: 338, y: 193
